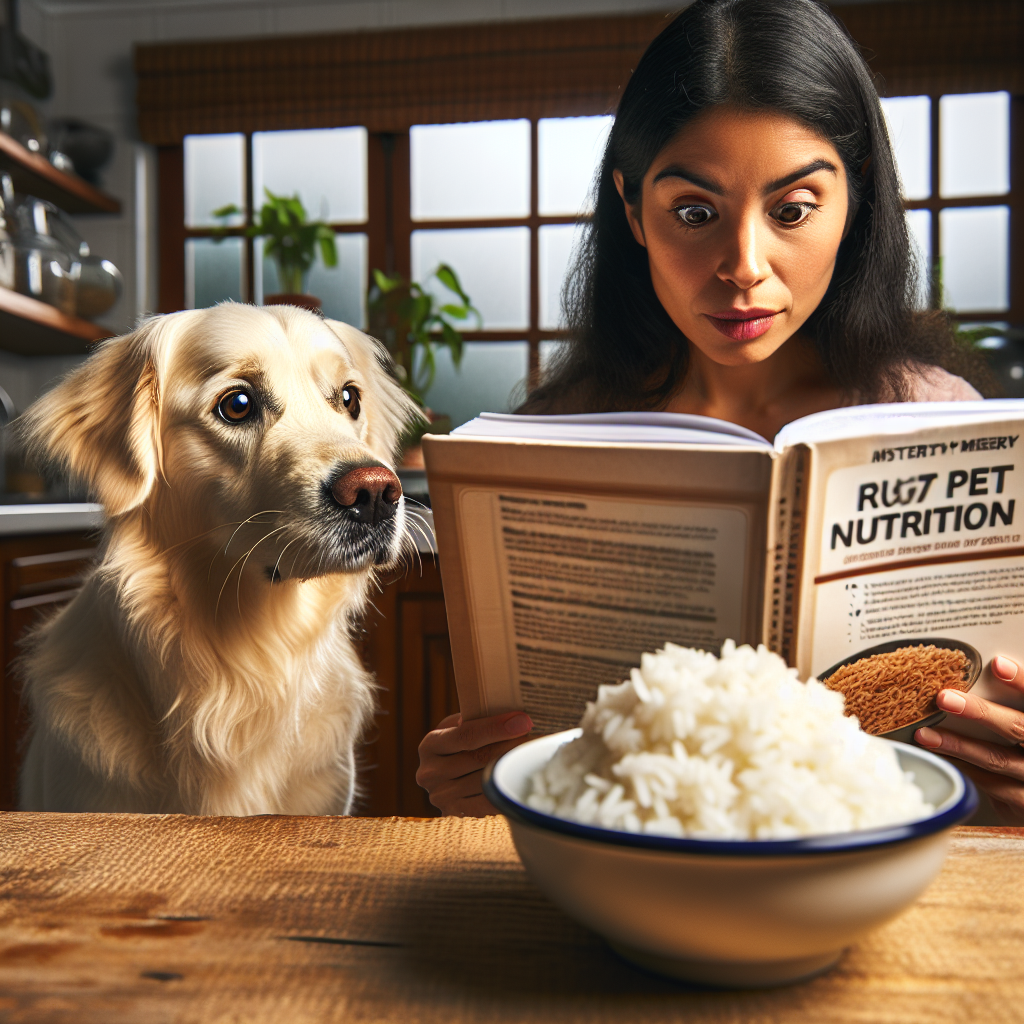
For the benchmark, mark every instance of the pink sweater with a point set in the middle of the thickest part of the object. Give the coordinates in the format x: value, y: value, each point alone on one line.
x: 933, y: 384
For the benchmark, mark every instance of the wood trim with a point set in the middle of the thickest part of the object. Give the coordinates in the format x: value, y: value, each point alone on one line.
x: 171, y: 225
x: 379, y: 192
x: 34, y: 174
x: 33, y: 328
x: 1016, y: 313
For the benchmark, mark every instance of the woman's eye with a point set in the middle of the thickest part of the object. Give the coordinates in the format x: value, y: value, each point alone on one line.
x: 793, y: 213
x: 350, y: 399
x: 235, y: 406
x: 695, y: 216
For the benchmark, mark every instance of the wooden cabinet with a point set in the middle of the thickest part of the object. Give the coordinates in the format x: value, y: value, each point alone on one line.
x: 406, y: 645
x: 404, y: 641
x: 39, y: 574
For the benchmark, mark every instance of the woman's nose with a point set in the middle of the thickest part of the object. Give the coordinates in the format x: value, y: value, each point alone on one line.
x: 745, y: 261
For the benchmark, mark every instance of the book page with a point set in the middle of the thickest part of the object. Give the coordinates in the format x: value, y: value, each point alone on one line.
x: 927, y: 545
x: 568, y: 591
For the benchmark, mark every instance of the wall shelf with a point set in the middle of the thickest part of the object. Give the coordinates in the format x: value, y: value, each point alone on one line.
x: 33, y: 174
x: 29, y: 327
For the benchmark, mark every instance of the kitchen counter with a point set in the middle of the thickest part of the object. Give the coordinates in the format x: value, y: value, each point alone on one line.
x: 58, y: 517
x: 61, y: 517
x: 125, y: 918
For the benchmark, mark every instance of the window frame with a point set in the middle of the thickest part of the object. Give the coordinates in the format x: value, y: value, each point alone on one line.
x: 388, y: 225
x: 1013, y: 199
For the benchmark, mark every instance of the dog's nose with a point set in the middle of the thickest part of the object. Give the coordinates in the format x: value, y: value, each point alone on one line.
x: 369, y: 494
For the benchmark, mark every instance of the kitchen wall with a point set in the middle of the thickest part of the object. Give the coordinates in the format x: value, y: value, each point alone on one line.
x: 90, y: 43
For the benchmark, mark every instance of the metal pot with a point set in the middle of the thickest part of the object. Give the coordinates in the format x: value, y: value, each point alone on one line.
x: 45, y: 266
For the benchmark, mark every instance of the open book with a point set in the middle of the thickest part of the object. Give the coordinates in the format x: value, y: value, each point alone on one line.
x: 571, y: 544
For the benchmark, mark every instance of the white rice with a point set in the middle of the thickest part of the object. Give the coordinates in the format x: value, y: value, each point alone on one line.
x: 728, y: 748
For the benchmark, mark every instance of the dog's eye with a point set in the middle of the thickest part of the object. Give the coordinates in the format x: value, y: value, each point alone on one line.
x: 235, y: 406
x: 350, y: 399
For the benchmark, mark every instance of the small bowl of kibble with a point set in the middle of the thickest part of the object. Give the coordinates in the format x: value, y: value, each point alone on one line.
x: 892, y: 688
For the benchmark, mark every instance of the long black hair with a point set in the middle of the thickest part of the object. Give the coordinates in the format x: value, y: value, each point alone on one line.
x: 787, y: 56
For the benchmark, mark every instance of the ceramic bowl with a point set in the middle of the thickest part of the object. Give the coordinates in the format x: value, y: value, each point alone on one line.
x: 905, y: 733
x: 730, y: 913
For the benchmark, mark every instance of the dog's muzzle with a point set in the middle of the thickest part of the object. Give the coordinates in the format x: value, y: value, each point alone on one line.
x: 368, y: 494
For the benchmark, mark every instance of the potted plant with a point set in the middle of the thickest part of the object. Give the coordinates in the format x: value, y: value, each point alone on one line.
x: 412, y: 323
x: 292, y: 241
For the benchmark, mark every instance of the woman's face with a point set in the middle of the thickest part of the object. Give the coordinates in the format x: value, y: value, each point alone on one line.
x: 741, y: 215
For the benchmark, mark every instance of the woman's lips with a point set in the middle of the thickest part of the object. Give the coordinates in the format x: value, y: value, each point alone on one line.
x: 743, y: 324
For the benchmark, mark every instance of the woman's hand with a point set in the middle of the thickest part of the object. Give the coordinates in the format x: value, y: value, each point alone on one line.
x: 995, y: 768
x: 453, y: 757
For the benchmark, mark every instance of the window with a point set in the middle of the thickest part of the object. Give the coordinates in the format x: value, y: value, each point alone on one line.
x: 326, y: 168
x: 500, y: 201
x: 953, y: 154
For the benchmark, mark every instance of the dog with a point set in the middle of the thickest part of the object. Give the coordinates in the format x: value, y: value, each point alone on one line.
x: 244, y: 458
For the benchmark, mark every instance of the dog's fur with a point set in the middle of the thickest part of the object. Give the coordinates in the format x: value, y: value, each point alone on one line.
x: 206, y: 666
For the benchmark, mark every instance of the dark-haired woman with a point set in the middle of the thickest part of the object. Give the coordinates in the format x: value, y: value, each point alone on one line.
x: 748, y: 259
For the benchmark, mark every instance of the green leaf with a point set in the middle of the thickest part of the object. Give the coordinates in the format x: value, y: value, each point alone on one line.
x: 453, y: 340
x: 227, y: 211
x: 328, y: 250
x: 456, y: 312
x: 383, y: 282
x: 428, y: 361
x: 449, y: 279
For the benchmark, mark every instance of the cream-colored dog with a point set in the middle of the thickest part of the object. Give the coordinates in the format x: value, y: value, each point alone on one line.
x: 243, y: 456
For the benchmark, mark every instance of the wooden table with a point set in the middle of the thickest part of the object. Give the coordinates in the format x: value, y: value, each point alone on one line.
x: 109, y: 918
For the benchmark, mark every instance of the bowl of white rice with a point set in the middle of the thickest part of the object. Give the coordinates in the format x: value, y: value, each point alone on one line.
x: 718, y: 820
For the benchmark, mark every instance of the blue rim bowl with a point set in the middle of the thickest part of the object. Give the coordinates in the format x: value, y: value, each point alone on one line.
x: 959, y: 805
x: 730, y: 912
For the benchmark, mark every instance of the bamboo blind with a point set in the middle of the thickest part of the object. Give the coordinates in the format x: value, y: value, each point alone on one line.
x: 389, y: 80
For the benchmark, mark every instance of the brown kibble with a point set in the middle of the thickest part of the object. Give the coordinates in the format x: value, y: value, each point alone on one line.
x: 887, y: 691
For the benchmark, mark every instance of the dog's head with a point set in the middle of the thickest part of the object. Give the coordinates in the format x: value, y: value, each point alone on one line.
x: 240, y: 421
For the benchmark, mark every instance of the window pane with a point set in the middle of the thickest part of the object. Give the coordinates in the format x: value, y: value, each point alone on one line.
x: 555, y: 249
x: 569, y: 151
x: 327, y: 168
x: 909, y: 122
x: 974, y: 144
x: 213, y: 271
x: 920, y: 224
x: 484, y: 382
x: 214, y: 177
x: 492, y: 264
x: 974, y: 244
x: 548, y: 351
x: 472, y: 170
x: 342, y: 289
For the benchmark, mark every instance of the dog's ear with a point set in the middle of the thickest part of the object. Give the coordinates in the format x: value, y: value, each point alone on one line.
x: 394, y: 412
x: 100, y: 424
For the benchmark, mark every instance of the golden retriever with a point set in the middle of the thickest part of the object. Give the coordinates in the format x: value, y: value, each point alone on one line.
x: 244, y: 459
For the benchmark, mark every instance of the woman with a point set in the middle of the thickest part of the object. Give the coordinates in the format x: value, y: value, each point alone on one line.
x: 748, y: 259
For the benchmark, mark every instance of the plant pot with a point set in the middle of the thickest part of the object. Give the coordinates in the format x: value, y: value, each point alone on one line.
x: 310, y: 302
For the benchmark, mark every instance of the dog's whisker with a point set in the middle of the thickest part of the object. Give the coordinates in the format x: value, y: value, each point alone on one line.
x: 241, y: 571
x: 220, y: 593
x: 239, y: 525
x: 199, y: 536
x: 265, y: 512
x: 279, y: 557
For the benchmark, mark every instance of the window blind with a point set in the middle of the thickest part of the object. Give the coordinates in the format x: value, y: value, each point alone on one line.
x: 389, y: 80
